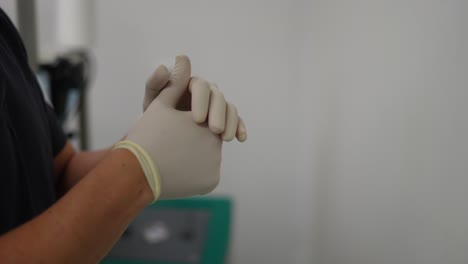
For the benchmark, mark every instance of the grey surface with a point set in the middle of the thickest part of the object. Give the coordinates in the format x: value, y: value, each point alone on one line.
x: 27, y: 27
x: 144, y: 239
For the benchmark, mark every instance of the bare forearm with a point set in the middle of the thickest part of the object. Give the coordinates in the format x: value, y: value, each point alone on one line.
x: 80, y: 165
x: 84, y: 224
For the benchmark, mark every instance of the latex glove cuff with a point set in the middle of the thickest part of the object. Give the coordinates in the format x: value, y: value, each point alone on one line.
x: 147, y: 165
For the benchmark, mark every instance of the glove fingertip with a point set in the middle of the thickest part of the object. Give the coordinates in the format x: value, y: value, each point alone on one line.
x: 242, y: 137
x: 241, y: 132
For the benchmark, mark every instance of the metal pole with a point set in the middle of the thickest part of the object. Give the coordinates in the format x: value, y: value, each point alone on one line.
x: 26, y: 10
x: 84, y: 120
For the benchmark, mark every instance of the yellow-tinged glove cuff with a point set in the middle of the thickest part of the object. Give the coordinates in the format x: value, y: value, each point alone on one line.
x: 149, y: 168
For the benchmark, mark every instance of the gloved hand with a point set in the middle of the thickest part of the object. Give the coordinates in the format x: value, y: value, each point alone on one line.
x: 179, y: 157
x: 204, y: 99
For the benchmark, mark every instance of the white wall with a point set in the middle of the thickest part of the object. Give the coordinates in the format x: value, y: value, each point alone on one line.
x: 396, y: 180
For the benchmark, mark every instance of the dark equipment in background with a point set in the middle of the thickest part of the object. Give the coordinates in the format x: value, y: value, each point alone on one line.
x: 68, y: 79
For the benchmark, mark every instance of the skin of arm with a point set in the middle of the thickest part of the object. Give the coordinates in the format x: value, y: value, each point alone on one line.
x: 84, y: 224
x: 71, y: 166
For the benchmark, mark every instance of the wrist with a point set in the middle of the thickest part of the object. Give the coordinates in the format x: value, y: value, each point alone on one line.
x: 146, y: 163
x: 130, y: 165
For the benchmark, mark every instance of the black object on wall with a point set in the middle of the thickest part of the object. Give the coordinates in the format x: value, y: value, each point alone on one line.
x: 70, y: 75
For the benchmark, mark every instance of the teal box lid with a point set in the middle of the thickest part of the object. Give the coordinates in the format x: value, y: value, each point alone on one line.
x: 216, y: 240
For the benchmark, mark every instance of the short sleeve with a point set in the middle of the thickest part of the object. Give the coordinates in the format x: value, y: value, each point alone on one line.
x: 58, y: 137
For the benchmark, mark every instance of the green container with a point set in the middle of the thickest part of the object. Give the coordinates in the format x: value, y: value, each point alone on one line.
x: 216, y: 243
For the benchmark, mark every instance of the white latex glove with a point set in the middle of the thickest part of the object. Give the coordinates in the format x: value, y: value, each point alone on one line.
x: 179, y: 157
x: 204, y: 99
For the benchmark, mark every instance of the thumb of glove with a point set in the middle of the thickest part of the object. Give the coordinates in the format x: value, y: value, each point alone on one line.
x: 178, y: 82
x: 155, y: 85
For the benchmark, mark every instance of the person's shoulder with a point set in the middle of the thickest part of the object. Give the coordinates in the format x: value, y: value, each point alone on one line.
x: 10, y: 38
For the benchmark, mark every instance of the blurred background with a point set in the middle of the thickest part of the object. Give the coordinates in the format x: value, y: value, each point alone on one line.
x: 356, y: 113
